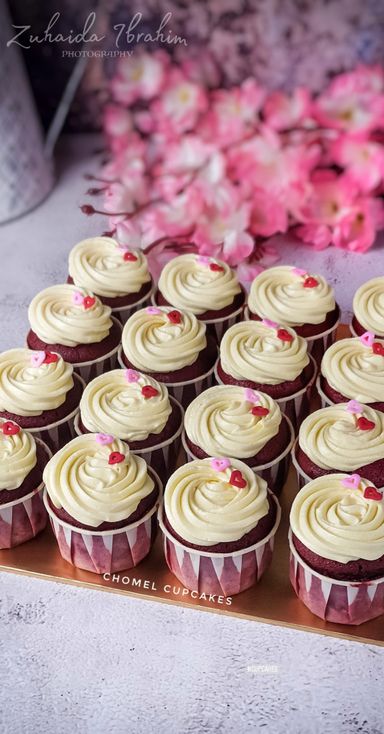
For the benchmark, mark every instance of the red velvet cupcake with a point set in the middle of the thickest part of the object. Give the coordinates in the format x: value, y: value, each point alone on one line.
x: 22, y: 461
x: 116, y: 274
x: 75, y: 324
x: 102, y: 503
x: 368, y: 309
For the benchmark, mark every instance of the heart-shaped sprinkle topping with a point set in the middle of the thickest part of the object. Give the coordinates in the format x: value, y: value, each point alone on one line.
x: 174, y: 317
x: 88, y: 302
x: 310, y: 282
x: 216, y: 268
x: 270, y: 324
x: 129, y: 257
x: 153, y: 310
x: 237, y: 479
x: 203, y: 259
x: 116, y: 457
x: 354, y: 407
x: 378, y: 348
x: 352, y: 481
x: 371, y: 493
x: 284, y: 335
x: 51, y: 358
x: 37, y: 359
x: 251, y: 396
x: 10, y: 429
x: 77, y: 298
x: 149, y: 392
x: 131, y: 375
x: 259, y: 411
x: 364, y: 424
x: 299, y: 271
x: 104, y: 439
x: 220, y: 464
x: 367, y: 338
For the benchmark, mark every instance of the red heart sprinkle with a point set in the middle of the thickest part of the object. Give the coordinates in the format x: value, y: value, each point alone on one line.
x: 259, y: 410
x: 10, y: 429
x: 284, y: 335
x: 174, y: 317
x: 310, y: 282
x: 88, y: 302
x: 378, y: 348
x: 50, y: 358
x: 216, y: 268
x: 116, y: 457
x: 371, y: 493
x: 237, y: 479
x: 364, y: 424
x: 129, y: 257
x: 149, y: 392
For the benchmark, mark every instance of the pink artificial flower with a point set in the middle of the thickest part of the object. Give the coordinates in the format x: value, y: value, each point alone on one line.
x: 356, y: 230
x: 282, y: 111
x: 328, y: 198
x: 317, y: 235
x: 350, y: 104
x: 268, y: 214
x: 187, y: 154
x: 128, y: 233
x: 263, y: 256
x: 225, y: 235
x: 176, y: 218
x: 363, y: 160
x: 140, y: 76
x: 118, y: 199
x: 232, y: 112
x: 180, y: 105
x: 117, y: 125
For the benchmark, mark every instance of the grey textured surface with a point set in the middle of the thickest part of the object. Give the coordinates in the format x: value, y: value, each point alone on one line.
x: 76, y: 660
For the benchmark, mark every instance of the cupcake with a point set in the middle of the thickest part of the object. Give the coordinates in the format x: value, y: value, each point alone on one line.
x: 292, y: 297
x: 22, y: 461
x: 219, y: 521
x: 227, y: 420
x: 368, y: 309
x: 75, y: 324
x: 102, y: 503
x: 353, y: 369
x: 266, y: 357
x: 117, y: 275
x: 41, y: 393
x: 337, y: 548
x: 347, y: 437
x: 206, y: 287
x: 137, y: 409
x: 172, y: 347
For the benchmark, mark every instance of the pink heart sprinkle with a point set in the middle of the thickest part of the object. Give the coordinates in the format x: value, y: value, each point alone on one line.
x: 203, y: 259
x: 104, y: 439
x: 132, y: 375
x: 153, y: 310
x: 352, y: 481
x: 251, y: 396
x: 367, y: 338
x: 77, y: 298
x: 270, y: 324
x: 354, y: 407
x: 299, y: 271
x: 220, y: 464
x: 37, y: 359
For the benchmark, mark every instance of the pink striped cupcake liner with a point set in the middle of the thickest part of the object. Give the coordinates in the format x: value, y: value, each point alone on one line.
x: 109, y: 550
x: 343, y: 602
x: 224, y: 574
x: 22, y: 519
x: 95, y: 367
x: 274, y: 473
x: 124, y: 312
x: 302, y: 477
x: 58, y: 434
x: 325, y: 400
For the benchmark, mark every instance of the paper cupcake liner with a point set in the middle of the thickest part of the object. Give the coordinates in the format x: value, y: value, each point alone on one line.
x: 163, y: 456
x: 302, y: 477
x: 22, y: 519
x: 123, y: 313
x: 58, y: 434
x: 274, y: 473
x: 107, y: 551
x: 95, y: 367
x: 343, y: 602
x: 325, y: 400
x: 224, y: 574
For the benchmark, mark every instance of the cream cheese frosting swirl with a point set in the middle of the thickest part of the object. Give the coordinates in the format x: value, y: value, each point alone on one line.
x: 368, y: 305
x: 29, y: 389
x: 154, y: 343
x: 354, y: 370
x: 197, y: 283
x: 204, y: 508
x: 99, y: 263
x: 57, y: 319
x: 114, y: 403
x: 338, y: 522
x: 221, y: 422
x: 330, y: 437
x: 17, y: 457
x: 279, y: 294
x: 253, y: 351
x: 80, y: 479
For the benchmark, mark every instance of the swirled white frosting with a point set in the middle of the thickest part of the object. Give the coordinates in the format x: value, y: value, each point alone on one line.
x: 252, y: 351
x: 188, y: 282
x: 368, y: 305
x: 111, y: 404
x: 154, y: 344
x: 27, y: 390
x: 80, y: 480
x: 17, y: 458
x: 278, y: 294
x: 56, y: 319
x: 337, y: 522
x: 203, y: 508
x: 221, y: 422
x: 354, y: 370
x: 98, y: 263
x: 331, y: 439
